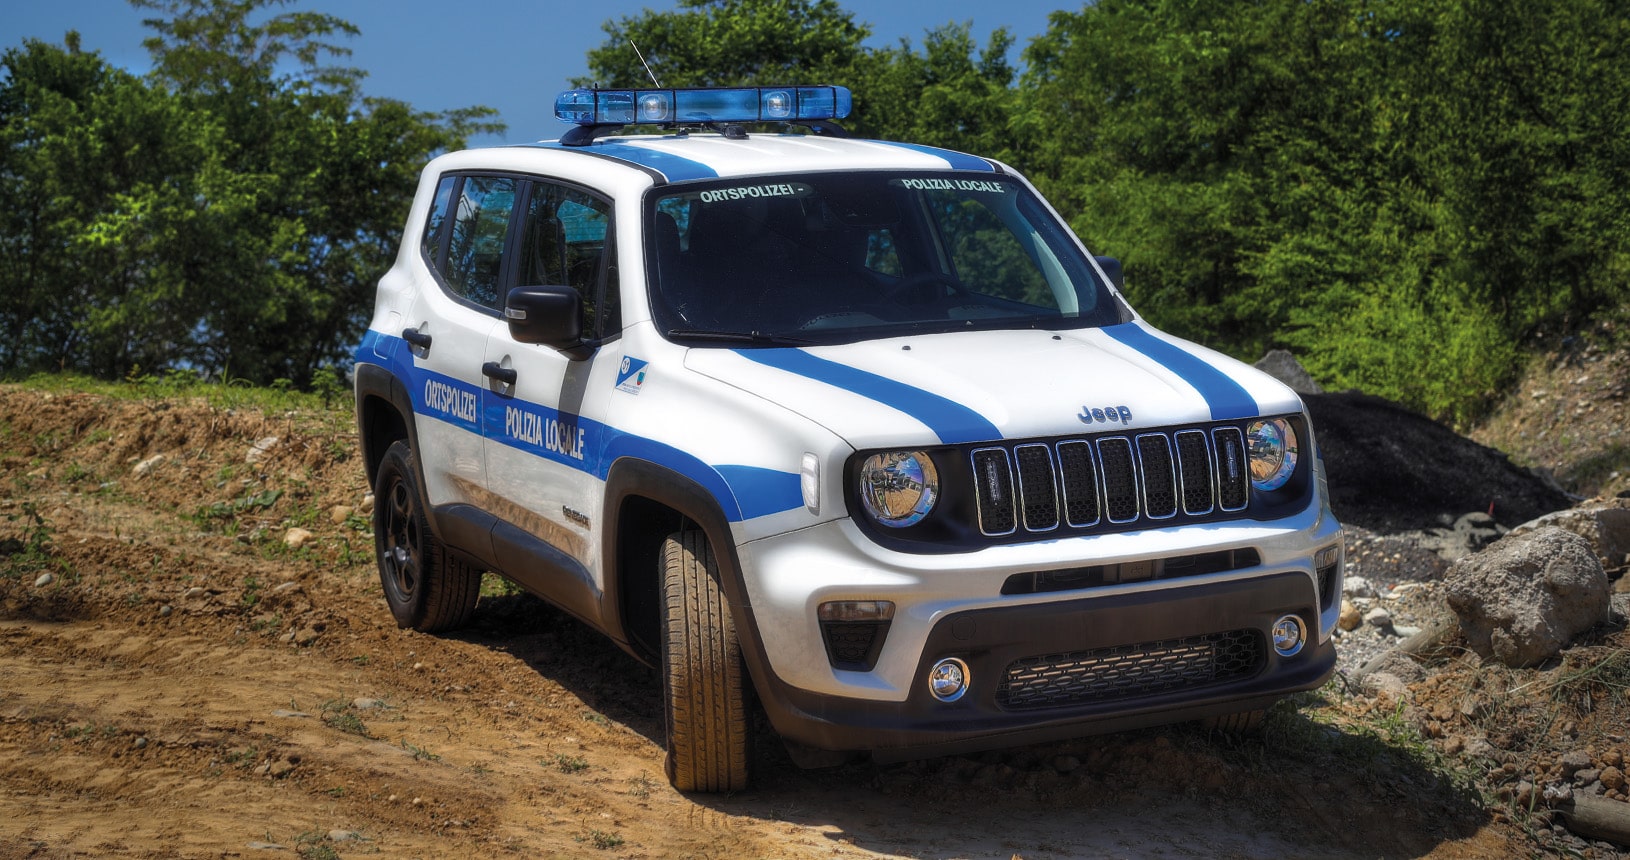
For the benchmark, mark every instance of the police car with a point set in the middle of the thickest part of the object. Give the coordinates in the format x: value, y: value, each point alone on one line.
x: 853, y: 429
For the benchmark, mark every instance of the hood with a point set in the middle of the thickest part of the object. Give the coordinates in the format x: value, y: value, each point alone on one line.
x: 969, y: 387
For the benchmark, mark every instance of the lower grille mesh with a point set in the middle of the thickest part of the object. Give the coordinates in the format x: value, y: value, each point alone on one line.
x: 1130, y: 671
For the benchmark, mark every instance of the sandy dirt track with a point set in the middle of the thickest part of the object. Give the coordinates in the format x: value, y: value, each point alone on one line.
x: 176, y: 681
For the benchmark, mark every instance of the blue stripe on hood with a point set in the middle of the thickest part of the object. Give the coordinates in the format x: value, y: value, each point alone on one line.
x: 952, y: 422
x: 1227, y: 398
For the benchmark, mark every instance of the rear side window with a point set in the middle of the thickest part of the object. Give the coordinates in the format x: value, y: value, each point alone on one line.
x: 475, y: 249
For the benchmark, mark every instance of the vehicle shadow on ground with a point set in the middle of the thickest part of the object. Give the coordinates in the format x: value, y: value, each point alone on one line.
x: 1300, y: 788
x: 562, y: 649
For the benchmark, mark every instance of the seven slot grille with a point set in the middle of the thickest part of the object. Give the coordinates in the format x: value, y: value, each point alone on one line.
x: 1111, y: 480
x: 1130, y: 671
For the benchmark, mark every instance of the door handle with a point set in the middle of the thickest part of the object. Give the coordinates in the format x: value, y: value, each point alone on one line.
x: 417, y: 338
x: 494, y: 370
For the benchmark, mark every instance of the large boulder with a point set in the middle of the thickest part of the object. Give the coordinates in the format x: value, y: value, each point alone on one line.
x: 1282, y: 365
x: 1603, y: 522
x: 1525, y: 598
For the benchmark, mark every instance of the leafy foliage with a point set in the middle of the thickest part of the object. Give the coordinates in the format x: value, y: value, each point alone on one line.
x: 1397, y: 190
x: 1402, y: 191
x: 217, y: 214
x: 1405, y: 192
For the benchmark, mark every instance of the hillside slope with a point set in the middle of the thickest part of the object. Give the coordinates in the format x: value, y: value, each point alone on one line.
x: 187, y: 676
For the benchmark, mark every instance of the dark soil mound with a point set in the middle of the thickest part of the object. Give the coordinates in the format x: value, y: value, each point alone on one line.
x: 1393, y: 470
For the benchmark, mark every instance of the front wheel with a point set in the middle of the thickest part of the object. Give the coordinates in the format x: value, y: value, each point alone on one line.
x: 428, y: 588
x: 702, y: 680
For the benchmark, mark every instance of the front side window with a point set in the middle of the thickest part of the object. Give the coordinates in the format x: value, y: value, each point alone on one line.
x: 566, y: 241
x: 825, y: 258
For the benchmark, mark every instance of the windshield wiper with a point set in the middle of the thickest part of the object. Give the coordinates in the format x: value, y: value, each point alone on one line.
x: 739, y: 336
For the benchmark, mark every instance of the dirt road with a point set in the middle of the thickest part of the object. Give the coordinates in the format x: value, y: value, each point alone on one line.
x: 177, y: 680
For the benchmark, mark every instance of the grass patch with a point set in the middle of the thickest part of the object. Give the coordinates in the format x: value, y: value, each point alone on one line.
x: 32, y: 551
x: 313, y: 845
x: 339, y: 715
x: 570, y: 764
x: 1589, y: 676
x: 493, y: 585
x: 231, y: 511
x: 601, y: 839
x: 419, y: 753
x: 328, y: 392
x: 640, y: 786
x: 1381, y: 747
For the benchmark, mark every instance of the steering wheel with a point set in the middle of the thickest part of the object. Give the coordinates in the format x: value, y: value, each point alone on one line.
x: 911, y: 283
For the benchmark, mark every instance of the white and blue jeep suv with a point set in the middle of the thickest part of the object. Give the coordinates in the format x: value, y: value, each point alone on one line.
x: 857, y: 426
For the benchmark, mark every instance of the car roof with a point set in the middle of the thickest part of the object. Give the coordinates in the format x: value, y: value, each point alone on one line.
x: 701, y: 156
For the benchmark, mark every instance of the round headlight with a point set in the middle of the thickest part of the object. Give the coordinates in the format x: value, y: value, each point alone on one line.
x: 1273, y: 452
x: 899, y: 488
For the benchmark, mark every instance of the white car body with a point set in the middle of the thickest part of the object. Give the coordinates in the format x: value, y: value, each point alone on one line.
x: 529, y: 478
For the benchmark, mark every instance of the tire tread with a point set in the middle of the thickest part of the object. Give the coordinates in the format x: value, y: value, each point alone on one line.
x: 707, y: 716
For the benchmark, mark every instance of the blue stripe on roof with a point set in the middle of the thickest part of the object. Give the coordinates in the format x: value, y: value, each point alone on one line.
x: 957, y: 160
x: 674, y: 168
x: 952, y: 422
x: 677, y: 169
x: 1227, y: 398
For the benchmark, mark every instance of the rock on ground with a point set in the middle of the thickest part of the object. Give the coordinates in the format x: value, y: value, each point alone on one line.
x: 1605, y: 524
x: 1526, y: 597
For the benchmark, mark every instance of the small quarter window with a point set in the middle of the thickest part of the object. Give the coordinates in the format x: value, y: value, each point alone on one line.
x: 432, y: 242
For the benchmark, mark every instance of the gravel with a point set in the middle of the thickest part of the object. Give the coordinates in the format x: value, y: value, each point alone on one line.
x: 1390, y: 576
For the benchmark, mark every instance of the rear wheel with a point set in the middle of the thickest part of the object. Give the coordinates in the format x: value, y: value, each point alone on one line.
x: 702, y: 676
x: 428, y: 588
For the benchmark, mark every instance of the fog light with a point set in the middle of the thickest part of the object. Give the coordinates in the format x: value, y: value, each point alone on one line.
x: 948, y: 680
x: 1289, y: 635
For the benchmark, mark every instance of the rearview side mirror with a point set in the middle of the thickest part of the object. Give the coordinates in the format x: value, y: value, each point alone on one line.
x: 1112, y: 268
x: 548, y: 315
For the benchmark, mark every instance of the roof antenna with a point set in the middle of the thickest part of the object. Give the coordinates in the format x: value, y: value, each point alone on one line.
x: 654, y: 81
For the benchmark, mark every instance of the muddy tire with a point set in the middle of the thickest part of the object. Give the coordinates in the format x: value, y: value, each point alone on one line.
x: 702, y: 676
x: 428, y: 588
x: 1242, y: 723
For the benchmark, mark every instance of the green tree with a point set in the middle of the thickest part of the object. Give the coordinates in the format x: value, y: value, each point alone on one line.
x: 316, y: 180
x: 952, y: 93
x: 219, y: 214
x: 99, y: 175
x: 1401, y: 190
x: 728, y: 43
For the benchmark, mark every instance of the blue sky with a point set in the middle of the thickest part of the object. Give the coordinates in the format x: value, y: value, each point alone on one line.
x: 513, y: 55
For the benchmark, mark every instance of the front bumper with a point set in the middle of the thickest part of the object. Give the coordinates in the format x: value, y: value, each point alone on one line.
x: 992, y: 640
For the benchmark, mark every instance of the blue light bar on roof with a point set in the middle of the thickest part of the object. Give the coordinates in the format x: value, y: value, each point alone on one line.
x: 735, y: 104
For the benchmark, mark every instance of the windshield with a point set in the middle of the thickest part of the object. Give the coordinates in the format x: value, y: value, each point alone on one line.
x: 832, y: 257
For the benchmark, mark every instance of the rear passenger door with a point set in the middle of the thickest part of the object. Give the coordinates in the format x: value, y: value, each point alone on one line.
x: 545, y: 433
x: 456, y: 310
